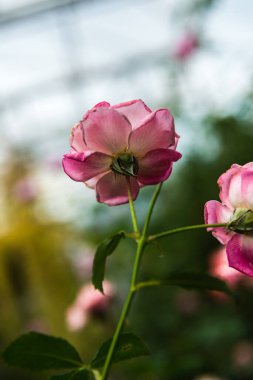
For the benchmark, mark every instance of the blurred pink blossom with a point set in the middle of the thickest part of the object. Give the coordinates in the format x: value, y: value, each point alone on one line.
x: 187, y: 302
x: 218, y: 267
x: 243, y: 354
x: 236, y: 209
x: 88, y: 302
x: 122, y: 147
x: 82, y: 262
x: 209, y: 377
x: 52, y: 162
x: 186, y: 46
x: 38, y: 325
x: 25, y: 190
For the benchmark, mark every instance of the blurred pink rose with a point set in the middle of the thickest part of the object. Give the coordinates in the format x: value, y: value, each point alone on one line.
x: 25, y: 190
x: 209, y: 377
x: 89, y: 301
x: 187, y: 302
x: 236, y: 209
x: 82, y: 262
x: 242, y: 354
x: 186, y: 46
x: 124, y: 146
x: 218, y: 267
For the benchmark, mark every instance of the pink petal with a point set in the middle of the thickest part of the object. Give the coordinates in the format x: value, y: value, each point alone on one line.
x: 101, y: 104
x: 106, y: 131
x: 91, y: 183
x: 135, y: 111
x: 219, y: 267
x: 76, y: 318
x: 173, y: 146
x: 249, y: 165
x: 215, y: 212
x: 237, y: 186
x: 156, y: 132
x: 81, y: 168
x: 156, y: 166
x: 247, y: 188
x: 240, y: 253
x: 76, y: 141
x: 230, y: 187
x: 112, y: 189
x: 186, y: 46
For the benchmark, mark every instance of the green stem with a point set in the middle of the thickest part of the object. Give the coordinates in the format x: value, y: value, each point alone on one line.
x: 183, y: 229
x: 133, y: 214
x: 124, y: 312
x: 150, y: 210
x: 117, y: 332
x: 141, y: 240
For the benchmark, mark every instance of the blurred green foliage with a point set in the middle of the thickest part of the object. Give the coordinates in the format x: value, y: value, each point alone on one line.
x: 37, y: 280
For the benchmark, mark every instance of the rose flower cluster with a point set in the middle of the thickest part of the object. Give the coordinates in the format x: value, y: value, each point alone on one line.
x: 118, y: 149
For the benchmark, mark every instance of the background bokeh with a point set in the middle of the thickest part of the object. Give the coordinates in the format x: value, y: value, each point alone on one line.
x: 59, y: 58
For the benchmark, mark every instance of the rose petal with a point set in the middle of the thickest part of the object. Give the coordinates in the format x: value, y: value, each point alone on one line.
x: 237, y: 186
x: 76, y: 318
x: 219, y: 267
x: 249, y: 165
x: 156, y: 166
x: 135, y: 110
x: 240, y: 253
x: 230, y: 187
x: 156, y: 132
x: 81, y: 168
x: 100, y: 104
x: 173, y: 146
x: 91, y: 183
x: 112, y: 189
x: 106, y: 131
x: 215, y: 212
x: 76, y: 140
x: 247, y: 188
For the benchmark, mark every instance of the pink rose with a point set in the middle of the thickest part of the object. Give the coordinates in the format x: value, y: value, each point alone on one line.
x: 186, y: 46
x: 121, y: 147
x: 88, y: 302
x: 25, y: 190
x: 236, y: 209
x: 218, y: 267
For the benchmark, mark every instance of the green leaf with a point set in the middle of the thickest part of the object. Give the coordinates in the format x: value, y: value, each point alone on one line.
x: 74, y: 375
x: 189, y: 281
x: 39, y: 352
x: 128, y: 346
x: 105, y: 249
x: 197, y: 281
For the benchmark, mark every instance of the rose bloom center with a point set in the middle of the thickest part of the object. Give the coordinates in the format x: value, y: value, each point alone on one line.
x: 125, y: 164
